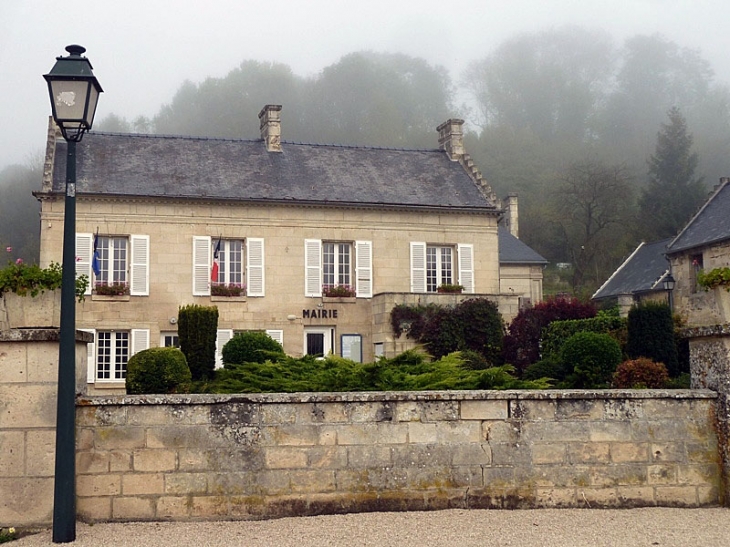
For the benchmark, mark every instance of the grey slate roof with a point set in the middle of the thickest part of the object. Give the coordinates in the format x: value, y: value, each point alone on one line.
x: 711, y: 224
x: 228, y: 169
x: 513, y: 251
x: 642, y: 271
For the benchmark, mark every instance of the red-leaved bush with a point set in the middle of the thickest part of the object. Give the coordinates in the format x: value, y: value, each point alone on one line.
x: 521, y: 346
x: 640, y: 373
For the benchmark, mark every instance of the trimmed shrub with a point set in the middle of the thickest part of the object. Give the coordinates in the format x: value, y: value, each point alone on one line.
x: 197, y: 328
x: 250, y: 347
x: 593, y: 358
x: 651, y: 334
x: 550, y: 367
x: 522, y: 343
x: 158, y: 370
x: 641, y: 373
x: 557, y: 332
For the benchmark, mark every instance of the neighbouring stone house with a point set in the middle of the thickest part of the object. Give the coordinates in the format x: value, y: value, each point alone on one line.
x: 640, y: 278
x: 704, y: 243
x: 264, y: 228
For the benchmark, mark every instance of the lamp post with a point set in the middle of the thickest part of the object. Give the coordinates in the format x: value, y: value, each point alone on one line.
x: 669, y: 287
x: 74, y: 93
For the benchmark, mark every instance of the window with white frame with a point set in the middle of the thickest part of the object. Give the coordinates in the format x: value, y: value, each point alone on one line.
x: 338, y: 268
x: 435, y: 265
x: 228, y: 267
x: 110, y: 351
x: 169, y: 340
x: 115, y: 264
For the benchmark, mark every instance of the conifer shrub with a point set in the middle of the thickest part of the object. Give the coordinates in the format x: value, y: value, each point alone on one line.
x: 593, y: 358
x: 197, y: 328
x: 651, y: 334
x: 158, y: 370
x: 641, y: 373
x: 250, y: 347
x: 522, y: 342
x: 550, y: 367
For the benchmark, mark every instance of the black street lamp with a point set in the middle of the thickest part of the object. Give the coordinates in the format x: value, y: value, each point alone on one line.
x: 669, y: 287
x: 74, y: 93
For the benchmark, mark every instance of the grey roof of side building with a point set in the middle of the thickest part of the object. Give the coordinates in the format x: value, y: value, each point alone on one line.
x: 642, y: 271
x: 514, y: 251
x: 710, y: 225
x: 242, y: 170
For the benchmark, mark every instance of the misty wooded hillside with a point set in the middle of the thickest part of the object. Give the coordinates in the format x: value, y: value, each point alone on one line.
x: 606, y: 144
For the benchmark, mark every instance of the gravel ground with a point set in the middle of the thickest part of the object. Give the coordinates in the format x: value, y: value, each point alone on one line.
x: 465, y: 528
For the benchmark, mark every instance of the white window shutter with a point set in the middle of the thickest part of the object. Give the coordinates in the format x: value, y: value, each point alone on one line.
x: 221, y: 339
x: 255, y: 281
x: 140, y: 340
x: 277, y: 335
x: 418, y: 267
x: 140, y: 266
x: 201, y: 265
x: 90, y: 358
x: 84, y: 250
x: 313, y: 267
x: 364, y: 269
x: 466, y: 266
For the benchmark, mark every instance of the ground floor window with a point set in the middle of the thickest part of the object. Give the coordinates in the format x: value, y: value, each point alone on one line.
x: 169, y: 340
x: 112, y: 354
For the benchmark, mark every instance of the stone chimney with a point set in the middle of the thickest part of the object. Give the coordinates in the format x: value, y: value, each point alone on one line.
x: 511, y: 216
x: 270, y: 125
x: 451, y: 138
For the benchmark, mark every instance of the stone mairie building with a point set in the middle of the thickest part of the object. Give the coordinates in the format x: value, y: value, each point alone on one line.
x: 284, y: 223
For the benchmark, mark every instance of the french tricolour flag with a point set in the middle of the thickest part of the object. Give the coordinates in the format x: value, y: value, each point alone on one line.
x: 216, y: 265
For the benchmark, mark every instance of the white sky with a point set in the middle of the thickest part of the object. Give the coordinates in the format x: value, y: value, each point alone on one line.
x: 142, y: 50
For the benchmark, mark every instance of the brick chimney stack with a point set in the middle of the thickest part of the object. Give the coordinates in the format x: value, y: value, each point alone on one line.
x: 270, y: 125
x: 451, y: 138
x: 511, y: 216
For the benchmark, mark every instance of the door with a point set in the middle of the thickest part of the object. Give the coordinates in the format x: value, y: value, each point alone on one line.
x: 318, y: 341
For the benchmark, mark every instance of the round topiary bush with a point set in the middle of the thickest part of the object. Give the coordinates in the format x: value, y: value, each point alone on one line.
x: 593, y: 358
x: 158, y: 370
x: 641, y: 373
x: 250, y: 347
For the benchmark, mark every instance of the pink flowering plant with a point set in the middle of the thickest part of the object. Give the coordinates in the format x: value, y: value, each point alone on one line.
x: 338, y: 290
x: 113, y: 288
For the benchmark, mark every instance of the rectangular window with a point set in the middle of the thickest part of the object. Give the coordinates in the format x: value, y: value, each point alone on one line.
x: 230, y: 263
x: 169, y: 340
x: 439, y: 267
x: 696, y: 264
x: 112, y: 260
x: 112, y: 354
x: 336, y: 264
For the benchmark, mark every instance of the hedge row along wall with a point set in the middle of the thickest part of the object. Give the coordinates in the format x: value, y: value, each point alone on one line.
x: 242, y: 457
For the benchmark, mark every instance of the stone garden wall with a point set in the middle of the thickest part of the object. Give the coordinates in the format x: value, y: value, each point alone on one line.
x: 258, y: 456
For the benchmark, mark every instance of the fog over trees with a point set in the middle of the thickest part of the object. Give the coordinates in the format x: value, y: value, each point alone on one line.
x: 601, y: 140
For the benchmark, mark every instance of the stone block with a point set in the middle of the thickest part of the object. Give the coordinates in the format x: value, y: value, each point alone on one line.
x: 26, y: 502
x: 290, y: 435
x: 133, y: 508
x: 285, y: 457
x: 609, y: 431
x: 439, y: 411
x: 84, y: 437
x: 662, y: 474
x: 94, y: 509
x: 116, y: 438
x: 708, y: 495
x: 182, y: 436
x: 305, y: 482
x: 12, y: 453
x: 373, y: 411
x: 471, y: 454
x: 624, y: 409
x: 361, y: 456
x: 548, y: 453
x: 421, y: 433
x: 173, y: 507
x: 13, y: 359
x: 630, y: 452
x: 555, y: 497
x: 597, y: 497
x: 327, y: 457
x: 677, y: 496
x: 636, y: 496
x: 483, y: 410
x: 499, y: 477
x: 560, y: 432
x: 42, y: 364
x: 699, y: 475
x: 92, y: 463
x: 588, y: 452
x: 421, y: 455
x: 579, y: 409
x: 153, y: 460
x: 209, y: 507
x: 181, y: 484
x: 192, y: 459
x: 135, y: 484
x: 668, y: 452
x: 17, y: 398
x: 120, y: 461
x: 533, y: 410
x: 513, y: 454
x: 501, y: 432
x: 91, y: 486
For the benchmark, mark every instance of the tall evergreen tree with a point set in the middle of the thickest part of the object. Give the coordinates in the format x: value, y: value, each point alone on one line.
x: 673, y: 193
